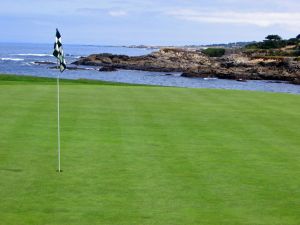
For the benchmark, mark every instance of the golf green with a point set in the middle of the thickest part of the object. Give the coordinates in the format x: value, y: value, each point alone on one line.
x: 138, y: 155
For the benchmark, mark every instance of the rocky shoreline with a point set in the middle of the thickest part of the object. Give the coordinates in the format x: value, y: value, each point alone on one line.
x: 192, y: 63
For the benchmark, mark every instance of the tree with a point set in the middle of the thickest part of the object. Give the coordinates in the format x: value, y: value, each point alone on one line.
x: 292, y: 41
x: 298, y: 37
x: 273, y: 37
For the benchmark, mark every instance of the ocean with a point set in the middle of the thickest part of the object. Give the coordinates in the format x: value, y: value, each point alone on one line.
x: 19, y: 58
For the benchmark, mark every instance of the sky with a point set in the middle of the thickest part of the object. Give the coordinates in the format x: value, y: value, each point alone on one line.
x: 149, y: 22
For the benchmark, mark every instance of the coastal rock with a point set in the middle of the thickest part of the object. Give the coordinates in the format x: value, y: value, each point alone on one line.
x: 44, y: 63
x: 107, y: 69
x: 69, y: 68
x: 296, y: 81
x: 75, y: 68
x: 165, y: 60
x: 192, y: 63
x: 241, y: 80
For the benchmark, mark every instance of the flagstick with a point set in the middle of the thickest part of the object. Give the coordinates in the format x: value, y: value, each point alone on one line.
x: 58, y: 123
x: 61, y: 65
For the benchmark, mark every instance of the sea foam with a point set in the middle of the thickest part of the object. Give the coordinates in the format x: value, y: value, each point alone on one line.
x: 34, y: 54
x: 12, y: 59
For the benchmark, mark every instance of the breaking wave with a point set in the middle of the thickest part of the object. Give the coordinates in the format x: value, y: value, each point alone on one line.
x: 12, y: 59
x: 33, y: 54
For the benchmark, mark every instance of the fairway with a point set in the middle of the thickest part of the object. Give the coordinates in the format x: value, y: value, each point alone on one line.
x: 138, y: 155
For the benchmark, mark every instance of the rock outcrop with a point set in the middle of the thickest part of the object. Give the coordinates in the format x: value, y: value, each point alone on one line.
x: 195, y: 64
x: 44, y: 63
x: 107, y: 69
x: 165, y: 60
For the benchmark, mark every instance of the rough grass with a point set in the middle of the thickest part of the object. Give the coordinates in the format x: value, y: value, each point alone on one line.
x: 148, y: 155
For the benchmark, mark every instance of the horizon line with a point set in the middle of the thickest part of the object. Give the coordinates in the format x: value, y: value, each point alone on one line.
x: 128, y: 45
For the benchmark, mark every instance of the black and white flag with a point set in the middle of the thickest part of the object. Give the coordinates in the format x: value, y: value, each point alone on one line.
x: 59, y: 53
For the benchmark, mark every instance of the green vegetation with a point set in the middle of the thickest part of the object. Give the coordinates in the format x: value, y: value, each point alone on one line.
x: 275, y: 42
x: 147, y: 155
x: 274, y: 53
x: 214, y: 52
x: 274, y: 45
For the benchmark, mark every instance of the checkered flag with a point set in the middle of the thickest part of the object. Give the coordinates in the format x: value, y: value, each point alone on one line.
x: 59, y: 52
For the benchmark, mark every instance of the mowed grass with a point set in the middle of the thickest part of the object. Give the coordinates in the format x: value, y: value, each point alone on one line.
x: 134, y: 155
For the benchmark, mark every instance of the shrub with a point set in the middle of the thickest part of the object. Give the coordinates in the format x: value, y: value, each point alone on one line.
x: 268, y: 44
x: 297, y: 59
x: 214, y: 52
x: 292, y: 41
x: 297, y: 53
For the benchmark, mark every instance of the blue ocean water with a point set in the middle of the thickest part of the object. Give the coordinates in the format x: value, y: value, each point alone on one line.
x: 17, y: 58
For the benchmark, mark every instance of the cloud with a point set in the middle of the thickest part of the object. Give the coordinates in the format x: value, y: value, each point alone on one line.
x: 117, y: 13
x: 113, y: 12
x: 261, y: 19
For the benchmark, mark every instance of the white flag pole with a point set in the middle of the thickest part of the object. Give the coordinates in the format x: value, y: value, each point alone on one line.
x: 58, y: 122
x: 61, y: 65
